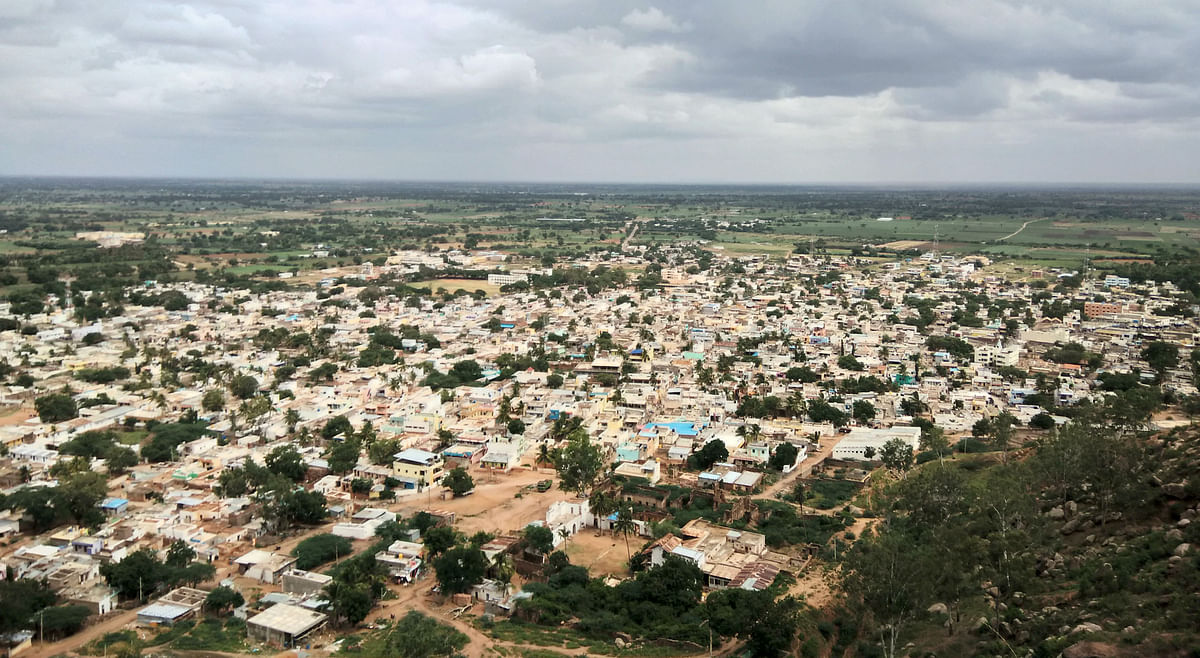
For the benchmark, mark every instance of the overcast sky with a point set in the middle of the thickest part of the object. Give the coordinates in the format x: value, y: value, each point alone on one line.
x: 610, y: 90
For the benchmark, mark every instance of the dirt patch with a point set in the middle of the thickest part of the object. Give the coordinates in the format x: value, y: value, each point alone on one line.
x: 603, y: 555
x: 904, y: 244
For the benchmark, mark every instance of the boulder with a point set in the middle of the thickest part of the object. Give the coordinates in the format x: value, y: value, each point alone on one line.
x: 1056, y: 513
x: 1175, y: 490
x: 1070, y: 526
x: 1091, y: 650
x: 1182, y: 550
x: 1087, y: 627
x: 938, y: 609
x: 1071, y: 508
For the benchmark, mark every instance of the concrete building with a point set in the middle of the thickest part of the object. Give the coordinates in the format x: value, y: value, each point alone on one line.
x: 284, y: 625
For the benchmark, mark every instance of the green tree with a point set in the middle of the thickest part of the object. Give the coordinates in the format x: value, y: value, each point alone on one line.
x: 460, y: 568
x: 439, y: 539
x: 712, y: 452
x: 78, y: 494
x: 137, y: 576
x: 244, y: 387
x: 897, y: 455
x: 458, y: 481
x: 1161, y: 356
x: 319, y: 549
x: 223, y: 598
x: 579, y: 463
x: 119, y: 459
x: 55, y: 407
x: 343, y: 456
x: 538, y: 538
x: 418, y: 636
x: 335, y: 426
x: 286, y: 461
x: 516, y: 426
x: 214, y: 400
x: 61, y: 621
x: 784, y: 456
x: 862, y: 411
x: 625, y: 525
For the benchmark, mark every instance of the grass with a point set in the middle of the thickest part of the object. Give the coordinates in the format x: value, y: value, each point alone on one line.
x: 828, y: 494
x: 132, y: 437
x: 209, y: 634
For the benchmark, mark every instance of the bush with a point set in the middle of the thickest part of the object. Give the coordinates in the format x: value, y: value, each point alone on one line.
x: 319, y: 549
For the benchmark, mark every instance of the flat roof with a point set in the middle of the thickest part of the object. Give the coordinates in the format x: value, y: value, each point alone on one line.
x: 287, y: 618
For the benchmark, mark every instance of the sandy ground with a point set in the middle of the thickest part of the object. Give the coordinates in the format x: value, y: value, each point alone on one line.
x: 495, y: 506
x: 603, y: 555
x: 15, y: 416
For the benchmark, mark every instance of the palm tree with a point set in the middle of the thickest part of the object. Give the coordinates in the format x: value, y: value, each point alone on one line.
x: 601, y: 505
x: 564, y: 533
x: 625, y: 525
x: 292, y: 417
x: 545, y: 455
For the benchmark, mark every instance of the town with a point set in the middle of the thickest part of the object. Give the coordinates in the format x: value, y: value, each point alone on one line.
x: 332, y: 459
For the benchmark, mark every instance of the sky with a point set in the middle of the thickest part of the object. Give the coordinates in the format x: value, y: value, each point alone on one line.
x: 673, y: 91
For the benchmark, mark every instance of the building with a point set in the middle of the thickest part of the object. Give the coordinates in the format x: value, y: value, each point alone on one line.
x: 855, y: 444
x: 425, y: 467
x: 284, y: 625
x: 264, y: 566
x: 507, y: 279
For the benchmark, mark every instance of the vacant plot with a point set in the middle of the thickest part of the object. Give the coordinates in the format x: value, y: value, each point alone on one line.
x: 450, y: 285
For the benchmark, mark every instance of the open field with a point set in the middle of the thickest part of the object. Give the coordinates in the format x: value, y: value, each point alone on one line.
x: 450, y: 285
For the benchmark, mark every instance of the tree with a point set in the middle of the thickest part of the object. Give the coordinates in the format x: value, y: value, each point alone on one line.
x: 119, y: 459
x: 78, y: 494
x: 137, y: 576
x: 553, y: 381
x: 863, y: 411
x: 418, y: 636
x: 784, y: 456
x: 460, y: 568
x: 1042, y: 421
x: 319, y: 549
x: 458, y: 481
x: 539, y: 539
x: 56, y: 407
x: 439, y: 539
x: 343, y: 456
x: 286, y: 461
x: 63, y: 620
x: 213, y: 400
x: 38, y: 503
x: 179, y: 554
x: 516, y: 426
x: 888, y: 577
x: 897, y: 455
x: 712, y: 452
x: 335, y: 426
x: 244, y: 387
x: 1161, y: 356
x: 625, y: 525
x: 22, y: 599
x: 579, y: 464
x: 223, y: 598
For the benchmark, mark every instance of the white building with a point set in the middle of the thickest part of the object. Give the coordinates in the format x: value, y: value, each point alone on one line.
x: 855, y: 444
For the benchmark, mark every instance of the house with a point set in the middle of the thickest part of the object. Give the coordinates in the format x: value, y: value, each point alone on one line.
x: 364, y: 523
x: 264, y: 566
x: 163, y: 614
x: 284, y: 625
x: 420, y: 465
x: 304, y: 583
x: 402, y: 559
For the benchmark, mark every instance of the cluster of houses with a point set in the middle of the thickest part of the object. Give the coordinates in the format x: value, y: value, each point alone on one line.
x: 652, y: 376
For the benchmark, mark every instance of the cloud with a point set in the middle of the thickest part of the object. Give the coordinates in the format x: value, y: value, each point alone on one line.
x: 652, y: 20
x: 769, y: 90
